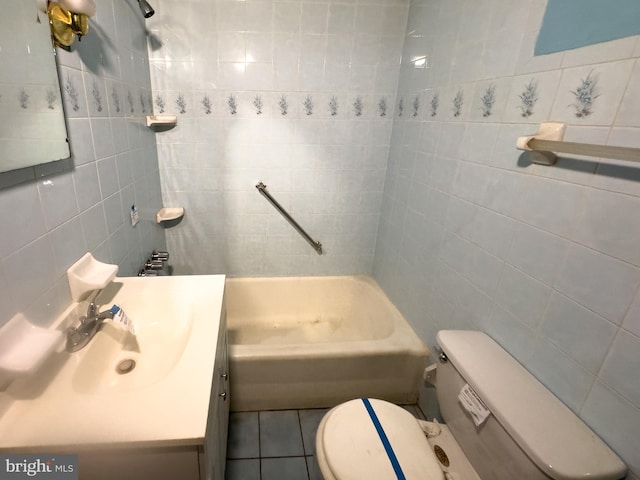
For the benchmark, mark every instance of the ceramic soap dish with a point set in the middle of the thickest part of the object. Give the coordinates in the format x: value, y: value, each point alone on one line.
x: 25, y: 346
x: 88, y: 274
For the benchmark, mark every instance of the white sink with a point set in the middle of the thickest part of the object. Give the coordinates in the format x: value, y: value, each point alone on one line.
x: 162, y: 314
x: 78, y: 399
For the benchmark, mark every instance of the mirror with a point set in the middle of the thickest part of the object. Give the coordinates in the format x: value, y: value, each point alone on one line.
x: 32, y: 126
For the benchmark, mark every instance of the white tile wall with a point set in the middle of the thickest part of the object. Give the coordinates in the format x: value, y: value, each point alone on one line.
x: 53, y: 215
x: 616, y: 419
x: 523, y: 296
x: 550, y: 253
x: 609, y: 293
x: 565, y: 322
x: 569, y: 380
x: 621, y: 369
x: 326, y: 166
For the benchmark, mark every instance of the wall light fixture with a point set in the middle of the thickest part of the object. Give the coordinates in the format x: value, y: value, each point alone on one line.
x: 68, y: 19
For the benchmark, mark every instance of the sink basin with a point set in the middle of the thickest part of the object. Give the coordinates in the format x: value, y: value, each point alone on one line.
x: 76, y: 400
x: 162, y: 317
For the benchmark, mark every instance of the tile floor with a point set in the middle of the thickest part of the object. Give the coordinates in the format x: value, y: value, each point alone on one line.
x: 276, y: 445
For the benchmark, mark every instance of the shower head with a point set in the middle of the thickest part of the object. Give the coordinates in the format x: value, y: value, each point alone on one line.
x: 146, y: 9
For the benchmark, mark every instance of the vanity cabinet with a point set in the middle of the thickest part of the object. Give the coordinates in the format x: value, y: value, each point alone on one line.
x: 215, y: 444
x: 157, y: 463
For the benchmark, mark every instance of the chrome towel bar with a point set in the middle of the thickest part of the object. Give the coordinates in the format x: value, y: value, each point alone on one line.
x: 316, y: 245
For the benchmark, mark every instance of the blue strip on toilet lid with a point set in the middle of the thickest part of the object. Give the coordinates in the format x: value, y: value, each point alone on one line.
x: 385, y: 441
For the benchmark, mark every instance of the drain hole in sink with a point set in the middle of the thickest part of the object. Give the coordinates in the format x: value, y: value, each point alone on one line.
x: 125, y: 366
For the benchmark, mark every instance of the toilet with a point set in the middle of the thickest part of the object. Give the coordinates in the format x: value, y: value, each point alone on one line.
x: 501, y: 424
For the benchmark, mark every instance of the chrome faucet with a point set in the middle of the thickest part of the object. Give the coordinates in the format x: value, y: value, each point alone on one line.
x: 78, y: 337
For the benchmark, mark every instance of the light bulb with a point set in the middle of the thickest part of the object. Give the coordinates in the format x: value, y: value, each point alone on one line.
x: 81, y: 7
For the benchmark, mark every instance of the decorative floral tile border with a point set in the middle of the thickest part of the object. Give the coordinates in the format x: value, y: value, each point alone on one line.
x: 528, y: 98
x: 101, y: 98
x: 585, y: 95
x: 29, y: 99
x: 520, y: 99
x: 276, y: 104
x: 531, y: 96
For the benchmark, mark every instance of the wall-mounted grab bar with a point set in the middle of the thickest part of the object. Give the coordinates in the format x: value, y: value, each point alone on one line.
x: 317, y: 246
x: 549, y: 139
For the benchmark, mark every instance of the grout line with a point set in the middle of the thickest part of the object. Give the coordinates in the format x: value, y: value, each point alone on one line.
x: 259, y: 448
x: 304, y: 447
x: 279, y: 456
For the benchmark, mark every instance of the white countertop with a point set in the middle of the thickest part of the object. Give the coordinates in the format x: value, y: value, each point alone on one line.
x: 55, y: 412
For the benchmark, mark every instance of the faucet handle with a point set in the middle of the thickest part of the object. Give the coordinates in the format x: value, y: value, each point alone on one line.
x: 92, y: 310
x: 92, y: 307
x: 144, y: 272
x: 154, y: 265
x: 157, y: 255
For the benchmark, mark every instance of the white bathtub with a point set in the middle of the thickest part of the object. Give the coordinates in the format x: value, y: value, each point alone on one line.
x: 306, y: 342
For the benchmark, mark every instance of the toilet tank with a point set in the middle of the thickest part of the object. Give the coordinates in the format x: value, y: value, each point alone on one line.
x: 530, y: 434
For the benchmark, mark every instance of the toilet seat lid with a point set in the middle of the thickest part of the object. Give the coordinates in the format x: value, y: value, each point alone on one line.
x: 354, y: 450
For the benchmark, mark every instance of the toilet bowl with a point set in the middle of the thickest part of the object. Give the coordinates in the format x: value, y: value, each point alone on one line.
x: 501, y: 424
x: 373, y: 439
